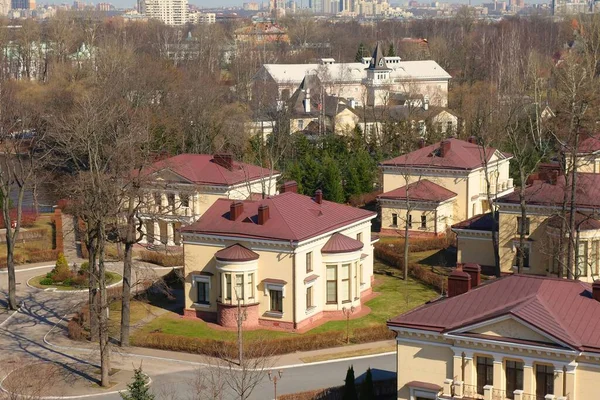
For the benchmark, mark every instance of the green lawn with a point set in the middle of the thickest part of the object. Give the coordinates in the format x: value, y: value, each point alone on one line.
x: 396, y: 297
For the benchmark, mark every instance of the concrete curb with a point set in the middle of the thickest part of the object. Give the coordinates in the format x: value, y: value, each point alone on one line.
x: 55, y: 290
x: 12, y: 315
x: 4, y: 271
x: 200, y: 364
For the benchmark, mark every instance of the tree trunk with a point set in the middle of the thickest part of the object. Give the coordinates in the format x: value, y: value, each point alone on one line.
x: 126, y: 295
x: 523, y: 225
x: 93, y: 288
x: 406, y: 246
x: 10, y: 264
x: 572, y: 209
x: 103, y: 317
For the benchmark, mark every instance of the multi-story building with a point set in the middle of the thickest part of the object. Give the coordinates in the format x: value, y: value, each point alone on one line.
x: 170, y: 12
x: 367, y: 82
x: 197, y: 17
x: 438, y: 185
x: 518, y: 337
x: 23, y: 4
x: 543, y: 226
x: 180, y: 189
x: 288, y: 260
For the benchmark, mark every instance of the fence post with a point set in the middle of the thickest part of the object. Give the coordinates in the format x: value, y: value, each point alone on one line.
x: 58, y: 230
x: 447, y: 391
x: 458, y: 389
x: 488, y: 392
x: 518, y: 395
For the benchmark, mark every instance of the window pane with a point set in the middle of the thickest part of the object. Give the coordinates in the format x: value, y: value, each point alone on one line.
x: 228, y: 284
x: 239, y: 286
x: 331, y: 272
x: 309, y: 261
x: 345, y: 271
x: 276, y: 300
x: 331, y: 291
x: 251, y: 285
x: 309, y: 299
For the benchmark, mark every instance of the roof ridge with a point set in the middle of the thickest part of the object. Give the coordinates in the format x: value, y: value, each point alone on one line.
x: 294, y: 234
x: 543, y: 302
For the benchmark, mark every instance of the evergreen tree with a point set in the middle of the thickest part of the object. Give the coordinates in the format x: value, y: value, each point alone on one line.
x: 360, y: 53
x: 391, y: 51
x: 138, y: 389
x: 367, y: 389
x: 349, y: 386
x: 332, y: 181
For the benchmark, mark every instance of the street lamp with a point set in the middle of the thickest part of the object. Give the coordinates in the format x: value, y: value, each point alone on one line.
x: 348, y: 312
x: 275, y: 378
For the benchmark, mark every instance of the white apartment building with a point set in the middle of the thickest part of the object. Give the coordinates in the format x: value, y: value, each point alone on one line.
x: 197, y: 17
x: 170, y: 12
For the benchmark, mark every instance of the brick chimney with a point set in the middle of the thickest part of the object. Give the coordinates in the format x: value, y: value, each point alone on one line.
x: 235, y: 210
x: 474, y: 270
x: 319, y: 196
x: 552, y: 177
x: 472, y: 140
x: 289, y: 186
x: 596, y: 290
x: 224, y: 160
x: 459, y: 282
x: 421, y: 143
x: 445, y: 147
x: 263, y: 214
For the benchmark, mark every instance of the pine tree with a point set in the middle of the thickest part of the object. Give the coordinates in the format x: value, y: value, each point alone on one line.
x: 349, y: 386
x: 360, y: 53
x: 332, y: 181
x: 138, y: 389
x: 391, y: 51
x: 367, y: 389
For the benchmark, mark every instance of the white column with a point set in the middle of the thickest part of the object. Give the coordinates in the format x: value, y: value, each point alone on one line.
x: 196, y: 200
x: 178, y: 209
x: 170, y: 234
x: 144, y: 238
x: 156, y: 235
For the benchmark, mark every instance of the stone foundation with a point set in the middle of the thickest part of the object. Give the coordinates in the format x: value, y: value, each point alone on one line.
x: 208, y: 316
x: 227, y: 315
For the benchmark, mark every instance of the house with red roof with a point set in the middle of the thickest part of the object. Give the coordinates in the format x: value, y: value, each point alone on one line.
x: 181, y: 188
x: 518, y: 337
x: 438, y: 185
x: 288, y: 260
x: 543, y: 227
x: 588, y: 154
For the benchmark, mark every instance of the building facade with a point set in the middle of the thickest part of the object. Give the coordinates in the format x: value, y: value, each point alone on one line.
x: 170, y: 12
x: 288, y: 260
x: 518, y: 337
x: 180, y: 189
x: 441, y: 184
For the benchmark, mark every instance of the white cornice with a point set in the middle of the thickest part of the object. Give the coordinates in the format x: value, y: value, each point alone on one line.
x: 474, y: 234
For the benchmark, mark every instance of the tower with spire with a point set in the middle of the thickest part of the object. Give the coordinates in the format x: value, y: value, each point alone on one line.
x: 378, y: 78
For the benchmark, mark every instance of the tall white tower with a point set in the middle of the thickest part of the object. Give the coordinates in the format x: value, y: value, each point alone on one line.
x: 378, y: 75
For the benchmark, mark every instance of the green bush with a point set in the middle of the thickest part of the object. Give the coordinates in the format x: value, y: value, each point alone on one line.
x: 61, y: 271
x: 166, y: 260
x: 68, y: 281
x: 46, y: 281
x: 84, y: 268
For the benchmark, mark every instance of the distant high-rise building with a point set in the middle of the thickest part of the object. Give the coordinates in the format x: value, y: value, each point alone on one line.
x: 23, y: 4
x: 103, y: 6
x: 171, y: 12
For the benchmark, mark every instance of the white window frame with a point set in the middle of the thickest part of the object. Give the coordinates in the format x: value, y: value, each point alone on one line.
x: 204, y: 279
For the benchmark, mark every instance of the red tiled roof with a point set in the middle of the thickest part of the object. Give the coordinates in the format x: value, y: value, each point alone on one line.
x: 461, y: 155
x: 236, y: 252
x: 544, y: 193
x: 202, y: 169
x: 583, y: 222
x: 339, y: 243
x: 292, y: 217
x: 562, y: 309
x: 589, y: 145
x: 310, y: 278
x: 423, y: 190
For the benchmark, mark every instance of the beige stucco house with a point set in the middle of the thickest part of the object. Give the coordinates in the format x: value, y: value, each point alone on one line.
x: 289, y: 260
x: 448, y: 181
x: 180, y: 189
x: 517, y: 337
x: 542, y: 229
x: 588, y: 155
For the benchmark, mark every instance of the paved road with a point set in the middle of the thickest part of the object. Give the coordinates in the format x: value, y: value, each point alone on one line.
x: 22, y: 340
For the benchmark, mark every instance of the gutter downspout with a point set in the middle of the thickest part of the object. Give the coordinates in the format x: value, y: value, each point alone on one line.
x: 293, y: 284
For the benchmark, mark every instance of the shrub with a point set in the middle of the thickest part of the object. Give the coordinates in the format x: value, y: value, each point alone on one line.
x: 75, y: 331
x: 46, y: 281
x: 84, y: 268
x: 79, y: 280
x: 372, y: 334
x: 166, y: 260
x: 42, y: 255
x: 67, y: 281
x: 61, y: 271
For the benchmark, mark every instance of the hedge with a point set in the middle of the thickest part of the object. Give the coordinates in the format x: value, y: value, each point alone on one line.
x: 392, y: 255
x: 372, y: 334
x: 166, y: 260
x: 219, y: 348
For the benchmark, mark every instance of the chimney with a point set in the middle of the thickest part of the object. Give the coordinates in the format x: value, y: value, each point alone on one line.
x: 319, y: 196
x: 289, y: 186
x: 445, y: 147
x: 596, y: 290
x: 459, y: 282
x: 235, y: 210
x: 472, y: 140
x: 474, y: 270
x: 224, y: 160
x: 263, y: 214
x: 553, y: 177
x: 421, y: 143
x: 306, y: 101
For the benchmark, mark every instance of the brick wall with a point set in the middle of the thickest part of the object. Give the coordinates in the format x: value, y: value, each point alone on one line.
x: 227, y: 315
x: 208, y: 316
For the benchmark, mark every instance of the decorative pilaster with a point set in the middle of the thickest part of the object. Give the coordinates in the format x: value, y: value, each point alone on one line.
x: 527, y: 376
x: 170, y: 234
x: 558, y: 381
x: 570, y: 381
x: 498, y: 374
x: 156, y: 233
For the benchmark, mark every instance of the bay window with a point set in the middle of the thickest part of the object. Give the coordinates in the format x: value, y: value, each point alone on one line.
x: 331, y: 284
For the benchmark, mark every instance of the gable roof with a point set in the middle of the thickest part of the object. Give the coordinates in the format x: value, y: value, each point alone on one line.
x: 423, y: 190
x: 292, y: 217
x: 544, y: 193
x: 560, y: 308
x: 459, y: 154
x: 203, y: 169
x: 339, y: 243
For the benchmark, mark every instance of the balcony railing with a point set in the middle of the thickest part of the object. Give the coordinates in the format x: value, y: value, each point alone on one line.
x: 459, y: 390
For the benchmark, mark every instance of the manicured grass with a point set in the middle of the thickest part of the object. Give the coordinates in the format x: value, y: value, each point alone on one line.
x: 111, y: 278
x: 396, y: 297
